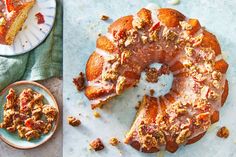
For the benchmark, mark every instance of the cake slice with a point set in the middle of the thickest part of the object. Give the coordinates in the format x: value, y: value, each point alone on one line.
x: 13, y: 14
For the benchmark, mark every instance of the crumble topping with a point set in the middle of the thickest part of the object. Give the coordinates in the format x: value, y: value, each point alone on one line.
x: 79, y: 82
x: 151, y: 75
x: 185, y: 25
x: 168, y: 34
x: 27, y: 114
x: 152, y: 92
x: 120, y: 84
x: 97, y: 145
x: 138, y: 23
x: 184, y: 134
x: 104, y: 17
x: 223, y: 132
x: 114, y: 141
x: 73, y: 121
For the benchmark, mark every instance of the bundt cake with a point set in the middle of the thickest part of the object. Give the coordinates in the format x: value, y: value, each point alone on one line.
x: 193, y: 55
x: 13, y: 13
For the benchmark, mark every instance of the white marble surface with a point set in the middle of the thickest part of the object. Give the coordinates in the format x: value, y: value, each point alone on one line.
x: 53, y: 147
x: 81, y: 27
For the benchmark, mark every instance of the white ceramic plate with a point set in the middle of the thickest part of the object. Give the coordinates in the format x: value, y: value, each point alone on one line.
x: 32, y: 34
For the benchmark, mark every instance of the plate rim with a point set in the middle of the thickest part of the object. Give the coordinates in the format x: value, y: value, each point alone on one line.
x: 25, y: 82
x: 40, y: 42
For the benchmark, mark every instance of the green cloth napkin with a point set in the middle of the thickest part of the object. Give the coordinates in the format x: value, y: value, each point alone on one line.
x: 43, y: 62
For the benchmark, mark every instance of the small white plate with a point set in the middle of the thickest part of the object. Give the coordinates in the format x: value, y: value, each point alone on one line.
x: 32, y: 33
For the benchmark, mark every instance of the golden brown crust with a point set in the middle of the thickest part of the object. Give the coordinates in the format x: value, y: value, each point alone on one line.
x: 170, y: 98
x: 171, y: 145
x: 195, y: 26
x: 151, y: 107
x: 196, y: 138
x: 14, y: 24
x: 105, y: 44
x: 209, y: 41
x: 215, y: 117
x: 95, y: 92
x: 94, y: 66
x: 170, y: 17
x: 225, y: 93
x: 176, y: 66
x: 136, y: 145
x: 145, y: 15
x: 122, y: 24
x: 221, y: 66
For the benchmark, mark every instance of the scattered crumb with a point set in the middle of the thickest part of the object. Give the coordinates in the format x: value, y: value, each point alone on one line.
x: 79, y: 82
x: 151, y: 75
x: 99, y: 34
x: 25, y: 27
x: 73, y: 121
x: 97, y: 144
x: 152, y: 91
x: 223, y: 132
x: 104, y: 17
x: 174, y: 2
x: 96, y: 114
x: 138, y: 105
x: 114, y: 141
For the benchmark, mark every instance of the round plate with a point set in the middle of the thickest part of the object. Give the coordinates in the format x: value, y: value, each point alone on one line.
x: 13, y: 139
x: 32, y: 33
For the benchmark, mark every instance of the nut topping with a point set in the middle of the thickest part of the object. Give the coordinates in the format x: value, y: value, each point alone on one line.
x: 185, y: 25
x: 120, y: 84
x: 184, y: 134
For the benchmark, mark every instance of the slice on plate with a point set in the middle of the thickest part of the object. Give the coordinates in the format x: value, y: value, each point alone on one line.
x: 13, y: 14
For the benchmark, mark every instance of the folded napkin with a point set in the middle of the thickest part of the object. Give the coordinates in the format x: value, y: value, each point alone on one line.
x: 43, y: 62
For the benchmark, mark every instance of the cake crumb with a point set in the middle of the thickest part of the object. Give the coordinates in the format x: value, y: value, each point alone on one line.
x: 73, y: 121
x: 96, y: 114
x: 152, y: 92
x: 151, y: 75
x: 223, y: 132
x: 79, y: 82
x: 104, y: 17
x: 114, y: 141
x: 97, y: 144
